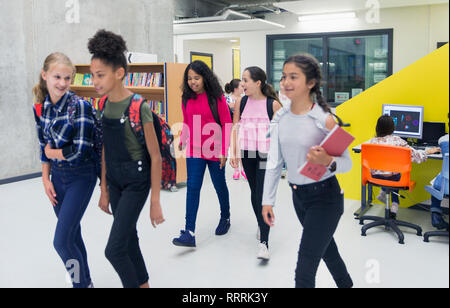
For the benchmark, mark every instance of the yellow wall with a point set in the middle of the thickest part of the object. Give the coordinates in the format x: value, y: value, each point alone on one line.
x: 424, y: 83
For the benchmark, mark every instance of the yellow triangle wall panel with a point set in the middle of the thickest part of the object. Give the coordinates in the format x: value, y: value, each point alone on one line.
x: 423, y: 83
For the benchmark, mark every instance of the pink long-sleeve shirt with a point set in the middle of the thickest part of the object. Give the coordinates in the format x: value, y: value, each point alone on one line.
x: 202, y: 135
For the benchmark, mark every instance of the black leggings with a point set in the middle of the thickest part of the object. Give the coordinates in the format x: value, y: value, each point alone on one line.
x: 319, y: 207
x: 254, y: 164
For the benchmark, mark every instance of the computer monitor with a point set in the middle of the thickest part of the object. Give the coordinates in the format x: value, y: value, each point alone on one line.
x: 408, y: 120
x: 432, y: 131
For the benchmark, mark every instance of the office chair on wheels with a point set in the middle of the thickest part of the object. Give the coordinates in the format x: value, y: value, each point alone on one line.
x: 391, y: 159
x: 439, y: 193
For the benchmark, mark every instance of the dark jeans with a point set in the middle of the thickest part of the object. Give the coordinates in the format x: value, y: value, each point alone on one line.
x: 73, y: 187
x: 128, y: 192
x: 395, y: 178
x: 319, y: 207
x: 196, y: 168
x: 254, y: 164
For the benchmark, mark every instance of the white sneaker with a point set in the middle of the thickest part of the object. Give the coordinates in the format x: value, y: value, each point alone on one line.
x: 263, y: 252
x: 382, y: 197
x: 258, y: 234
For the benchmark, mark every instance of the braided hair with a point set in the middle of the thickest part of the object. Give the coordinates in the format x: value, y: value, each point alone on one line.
x: 311, y: 68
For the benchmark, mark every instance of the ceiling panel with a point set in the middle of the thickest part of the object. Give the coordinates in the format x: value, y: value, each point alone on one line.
x: 226, y: 26
x: 325, y: 6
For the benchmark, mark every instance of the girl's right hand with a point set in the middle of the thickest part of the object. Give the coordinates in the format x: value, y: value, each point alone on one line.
x: 234, y: 162
x: 269, y: 217
x: 103, y: 203
x: 50, y: 192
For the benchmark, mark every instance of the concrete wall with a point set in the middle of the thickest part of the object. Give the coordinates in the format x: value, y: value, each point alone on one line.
x: 32, y: 29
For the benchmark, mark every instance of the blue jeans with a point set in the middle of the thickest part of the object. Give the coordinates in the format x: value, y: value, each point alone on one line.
x: 73, y: 187
x: 395, y: 178
x: 196, y: 168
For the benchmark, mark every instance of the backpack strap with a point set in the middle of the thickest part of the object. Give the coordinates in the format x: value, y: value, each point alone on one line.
x: 243, y: 103
x: 38, y: 108
x: 101, y: 103
x: 133, y: 112
x: 270, y: 102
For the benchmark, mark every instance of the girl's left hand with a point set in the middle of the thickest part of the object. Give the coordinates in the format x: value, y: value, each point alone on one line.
x: 156, y: 214
x: 223, y: 162
x: 47, y: 151
x: 318, y: 155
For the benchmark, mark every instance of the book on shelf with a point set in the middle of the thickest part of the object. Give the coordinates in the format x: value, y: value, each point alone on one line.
x: 93, y: 101
x: 78, y: 80
x: 147, y: 80
x: 87, y: 80
x: 335, y: 143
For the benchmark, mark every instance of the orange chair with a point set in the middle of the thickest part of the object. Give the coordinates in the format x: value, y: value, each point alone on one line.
x: 391, y: 159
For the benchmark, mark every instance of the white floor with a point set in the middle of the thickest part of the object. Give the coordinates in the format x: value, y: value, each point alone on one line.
x: 27, y: 258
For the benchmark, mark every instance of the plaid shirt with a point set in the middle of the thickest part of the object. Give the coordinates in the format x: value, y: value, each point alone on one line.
x: 67, y: 125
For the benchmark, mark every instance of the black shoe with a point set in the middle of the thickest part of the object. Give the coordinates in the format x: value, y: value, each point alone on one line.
x: 223, y: 227
x: 438, y: 221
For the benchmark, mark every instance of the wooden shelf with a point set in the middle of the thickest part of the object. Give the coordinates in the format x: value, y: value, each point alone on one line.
x: 138, y: 90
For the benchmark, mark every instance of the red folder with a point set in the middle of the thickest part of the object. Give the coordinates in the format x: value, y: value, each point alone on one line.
x: 335, y: 143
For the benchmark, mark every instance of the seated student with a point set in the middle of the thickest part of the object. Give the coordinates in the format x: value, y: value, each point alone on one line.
x: 384, y: 130
x: 436, y: 211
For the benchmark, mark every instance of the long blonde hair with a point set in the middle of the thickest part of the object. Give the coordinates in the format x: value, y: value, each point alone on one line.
x: 40, y: 90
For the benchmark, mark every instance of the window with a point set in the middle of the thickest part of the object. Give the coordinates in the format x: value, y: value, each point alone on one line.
x: 351, y: 62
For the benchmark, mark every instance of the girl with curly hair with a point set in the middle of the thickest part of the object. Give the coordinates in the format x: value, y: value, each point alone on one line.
x: 205, y: 135
x: 128, y: 172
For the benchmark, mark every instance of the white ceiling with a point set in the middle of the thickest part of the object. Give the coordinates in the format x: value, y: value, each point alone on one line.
x: 326, y: 6
x: 226, y: 26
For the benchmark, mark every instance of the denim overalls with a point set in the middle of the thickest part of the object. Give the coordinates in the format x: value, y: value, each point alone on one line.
x: 129, y: 185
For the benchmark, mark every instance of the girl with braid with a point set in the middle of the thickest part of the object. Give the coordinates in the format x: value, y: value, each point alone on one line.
x: 295, y: 134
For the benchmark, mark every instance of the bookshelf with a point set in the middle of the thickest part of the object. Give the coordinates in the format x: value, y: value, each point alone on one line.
x: 169, y: 95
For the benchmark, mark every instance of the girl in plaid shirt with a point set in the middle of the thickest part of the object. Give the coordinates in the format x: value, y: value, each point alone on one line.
x: 65, y: 128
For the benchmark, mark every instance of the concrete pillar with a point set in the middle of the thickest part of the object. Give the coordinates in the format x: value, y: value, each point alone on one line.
x: 32, y: 29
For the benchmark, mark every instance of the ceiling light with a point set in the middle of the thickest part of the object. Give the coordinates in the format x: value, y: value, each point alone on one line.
x: 334, y: 16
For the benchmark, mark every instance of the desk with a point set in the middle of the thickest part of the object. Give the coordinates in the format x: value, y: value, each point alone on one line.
x: 357, y: 150
x: 367, y: 203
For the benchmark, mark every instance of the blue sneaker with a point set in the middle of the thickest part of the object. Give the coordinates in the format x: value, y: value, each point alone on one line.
x: 223, y: 227
x: 185, y: 239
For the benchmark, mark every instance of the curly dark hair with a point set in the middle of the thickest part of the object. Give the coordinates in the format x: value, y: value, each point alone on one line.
x: 110, y: 48
x: 211, y: 84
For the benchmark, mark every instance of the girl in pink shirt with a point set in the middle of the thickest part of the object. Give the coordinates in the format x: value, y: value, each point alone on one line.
x: 252, y: 117
x: 205, y: 135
